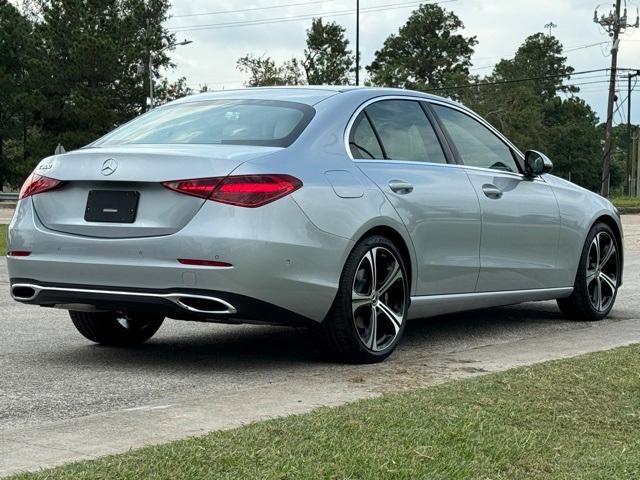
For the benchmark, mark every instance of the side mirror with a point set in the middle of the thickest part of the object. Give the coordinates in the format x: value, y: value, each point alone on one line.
x: 536, y: 163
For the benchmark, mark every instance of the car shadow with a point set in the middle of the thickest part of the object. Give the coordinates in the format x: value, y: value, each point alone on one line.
x: 182, y: 347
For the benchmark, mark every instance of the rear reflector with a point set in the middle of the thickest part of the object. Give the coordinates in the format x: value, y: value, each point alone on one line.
x: 204, y: 263
x: 37, y: 184
x: 241, y: 190
x: 18, y: 253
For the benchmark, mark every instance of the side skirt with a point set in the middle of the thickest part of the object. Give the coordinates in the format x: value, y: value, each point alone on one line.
x: 432, y: 305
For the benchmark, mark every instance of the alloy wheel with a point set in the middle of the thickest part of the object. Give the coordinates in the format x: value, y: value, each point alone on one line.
x: 378, y: 298
x: 602, y: 271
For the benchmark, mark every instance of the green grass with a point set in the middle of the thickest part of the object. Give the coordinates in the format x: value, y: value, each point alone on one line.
x: 3, y: 239
x: 568, y: 419
x: 626, y: 202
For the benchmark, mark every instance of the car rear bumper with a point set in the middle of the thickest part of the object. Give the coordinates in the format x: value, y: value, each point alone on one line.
x: 181, y: 304
x: 279, y: 258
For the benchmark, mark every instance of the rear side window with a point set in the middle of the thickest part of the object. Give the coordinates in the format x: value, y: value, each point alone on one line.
x: 405, y: 131
x: 232, y: 122
x: 476, y: 144
x: 363, y: 142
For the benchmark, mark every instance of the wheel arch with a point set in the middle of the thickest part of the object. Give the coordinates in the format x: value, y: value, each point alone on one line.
x: 617, y: 231
x: 399, y: 241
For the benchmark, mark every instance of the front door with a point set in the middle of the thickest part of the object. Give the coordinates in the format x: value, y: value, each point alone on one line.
x: 520, y: 215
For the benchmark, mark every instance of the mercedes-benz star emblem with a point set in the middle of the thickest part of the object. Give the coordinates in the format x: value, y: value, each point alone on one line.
x: 109, y: 166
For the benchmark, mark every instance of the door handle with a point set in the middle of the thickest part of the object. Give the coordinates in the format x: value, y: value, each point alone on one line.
x: 401, y: 187
x: 491, y: 191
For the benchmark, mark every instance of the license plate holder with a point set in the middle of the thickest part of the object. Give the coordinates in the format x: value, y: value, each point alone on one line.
x: 112, y: 206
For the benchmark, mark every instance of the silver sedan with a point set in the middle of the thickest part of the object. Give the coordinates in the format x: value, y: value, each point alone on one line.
x: 348, y: 210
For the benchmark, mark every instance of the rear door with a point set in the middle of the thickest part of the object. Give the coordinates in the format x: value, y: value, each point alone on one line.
x: 520, y: 215
x: 396, y: 145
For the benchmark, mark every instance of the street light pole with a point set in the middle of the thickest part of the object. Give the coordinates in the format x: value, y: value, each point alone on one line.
x: 151, y: 79
x: 184, y: 42
x: 357, y: 42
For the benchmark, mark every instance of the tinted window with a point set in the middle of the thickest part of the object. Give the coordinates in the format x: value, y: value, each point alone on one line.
x: 405, y: 131
x: 477, y: 145
x: 240, y: 122
x: 363, y: 141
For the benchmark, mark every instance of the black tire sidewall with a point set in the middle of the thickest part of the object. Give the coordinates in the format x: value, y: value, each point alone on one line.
x: 105, y: 329
x: 581, y: 283
x: 346, y: 286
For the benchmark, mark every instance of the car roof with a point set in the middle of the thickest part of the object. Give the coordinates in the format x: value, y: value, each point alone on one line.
x: 309, y: 95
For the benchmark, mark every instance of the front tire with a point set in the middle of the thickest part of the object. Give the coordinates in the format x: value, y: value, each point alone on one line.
x: 116, y: 329
x: 369, y: 313
x: 598, y: 277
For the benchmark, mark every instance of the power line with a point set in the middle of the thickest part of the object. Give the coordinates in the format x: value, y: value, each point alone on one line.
x: 266, y: 21
x: 572, y: 49
x: 268, y: 7
x: 526, y: 79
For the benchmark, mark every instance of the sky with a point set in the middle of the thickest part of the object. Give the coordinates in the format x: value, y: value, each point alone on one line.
x: 279, y: 31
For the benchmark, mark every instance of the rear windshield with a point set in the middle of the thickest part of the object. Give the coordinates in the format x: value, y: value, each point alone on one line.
x: 231, y: 122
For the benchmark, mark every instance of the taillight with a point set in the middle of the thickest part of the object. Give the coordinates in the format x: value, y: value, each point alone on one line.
x: 199, y: 187
x: 241, y: 190
x: 37, y: 184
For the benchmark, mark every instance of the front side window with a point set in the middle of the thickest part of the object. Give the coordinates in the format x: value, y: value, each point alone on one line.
x: 405, y: 131
x: 230, y: 122
x: 477, y: 145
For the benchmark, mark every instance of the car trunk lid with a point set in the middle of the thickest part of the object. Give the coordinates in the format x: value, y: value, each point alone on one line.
x: 117, y: 192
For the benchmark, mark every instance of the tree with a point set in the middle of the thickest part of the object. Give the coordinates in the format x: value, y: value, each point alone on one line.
x: 263, y: 71
x: 327, y: 59
x: 572, y: 140
x: 426, y: 53
x: 539, y: 56
x: 15, y: 51
x: 167, y: 91
x: 532, y: 115
x: 87, y: 77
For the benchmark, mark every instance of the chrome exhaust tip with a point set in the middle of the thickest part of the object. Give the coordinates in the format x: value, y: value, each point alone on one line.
x: 23, y: 292
x: 202, y: 304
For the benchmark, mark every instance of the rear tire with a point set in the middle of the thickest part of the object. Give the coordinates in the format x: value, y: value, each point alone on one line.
x: 368, y: 315
x: 116, y: 329
x: 596, y: 284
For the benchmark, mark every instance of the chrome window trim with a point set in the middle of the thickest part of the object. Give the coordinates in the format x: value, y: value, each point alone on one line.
x: 381, y: 98
x: 444, y: 103
x: 452, y: 165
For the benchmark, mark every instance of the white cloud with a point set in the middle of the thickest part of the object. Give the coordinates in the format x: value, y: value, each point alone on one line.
x: 500, y: 26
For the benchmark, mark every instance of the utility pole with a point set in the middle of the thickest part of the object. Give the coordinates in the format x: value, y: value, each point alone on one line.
x: 550, y: 25
x: 613, y: 23
x: 357, y: 42
x: 629, y: 146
